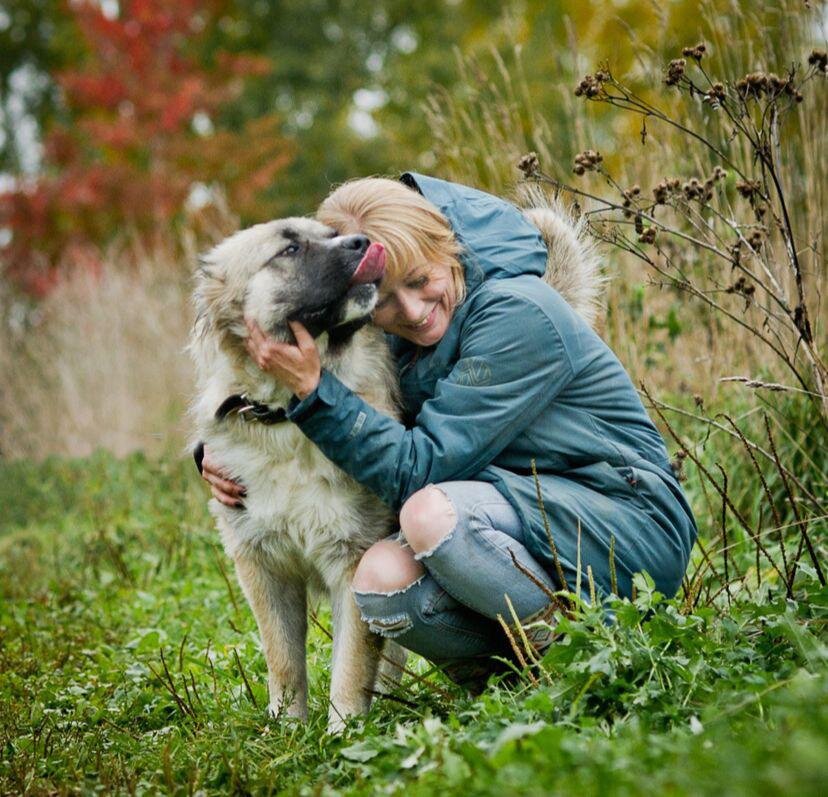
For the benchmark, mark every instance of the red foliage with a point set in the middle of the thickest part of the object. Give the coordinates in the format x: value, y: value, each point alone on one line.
x: 129, y: 156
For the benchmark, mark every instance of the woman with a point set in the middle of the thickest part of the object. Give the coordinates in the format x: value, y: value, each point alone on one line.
x: 499, y: 376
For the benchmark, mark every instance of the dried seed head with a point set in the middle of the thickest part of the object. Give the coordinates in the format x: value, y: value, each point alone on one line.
x: 662, y: 191
x: 715, y: 96
x: 694, y: 52
x: 588, y: 160
x: 591, y: 85
x: 677, y: 465
x: 749, y: 189
x: 754, y: 85
x: 693, y: 189
x: 529, y: 164
x: 675, y: 71
x: 743, y: 288
x: 648, y: 236
x: 819, y: 59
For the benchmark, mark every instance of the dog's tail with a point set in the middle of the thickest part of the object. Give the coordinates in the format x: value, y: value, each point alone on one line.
x: 573, y: 267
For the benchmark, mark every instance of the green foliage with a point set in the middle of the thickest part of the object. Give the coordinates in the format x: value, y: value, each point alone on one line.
x: 125, y: 644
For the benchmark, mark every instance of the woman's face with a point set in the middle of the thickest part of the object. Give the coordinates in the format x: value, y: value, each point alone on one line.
x: 418, y: 305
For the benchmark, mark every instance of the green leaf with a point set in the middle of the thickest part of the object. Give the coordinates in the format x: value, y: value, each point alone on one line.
x: 361, y: 751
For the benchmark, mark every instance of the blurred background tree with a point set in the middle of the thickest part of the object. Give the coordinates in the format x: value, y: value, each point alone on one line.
x: 131, y: 138
x: 121, y: 116
x: 135, y: 132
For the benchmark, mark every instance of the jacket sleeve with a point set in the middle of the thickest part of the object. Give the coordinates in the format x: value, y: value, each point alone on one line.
x: 512, y: 363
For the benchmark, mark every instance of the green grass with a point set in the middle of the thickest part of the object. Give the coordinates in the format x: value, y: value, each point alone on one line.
x: 125, y: 645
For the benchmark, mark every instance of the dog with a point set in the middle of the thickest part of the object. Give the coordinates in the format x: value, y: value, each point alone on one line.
x: 305, y: 524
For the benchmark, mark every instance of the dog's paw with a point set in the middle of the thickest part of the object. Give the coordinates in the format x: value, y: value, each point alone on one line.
x: 336, y: 724
x: 278, y: 711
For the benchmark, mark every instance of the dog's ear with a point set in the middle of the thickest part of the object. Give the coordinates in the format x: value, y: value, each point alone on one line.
x: 209, y: 286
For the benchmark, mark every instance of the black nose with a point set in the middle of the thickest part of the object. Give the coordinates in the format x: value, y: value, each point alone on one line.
x: 358, y: 243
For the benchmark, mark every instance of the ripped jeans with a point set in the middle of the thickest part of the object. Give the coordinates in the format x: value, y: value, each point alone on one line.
x: 450, y: 612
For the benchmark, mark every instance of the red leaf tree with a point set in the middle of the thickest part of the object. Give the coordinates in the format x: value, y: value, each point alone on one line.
x: 127, y: 153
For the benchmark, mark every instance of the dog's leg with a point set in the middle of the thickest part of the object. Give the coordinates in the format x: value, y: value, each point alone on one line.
x: 391, y: 666
x: 279, y: 605
x: 355, y: 657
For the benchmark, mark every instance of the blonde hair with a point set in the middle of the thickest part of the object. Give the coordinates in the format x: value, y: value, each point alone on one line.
x: 411, y: 229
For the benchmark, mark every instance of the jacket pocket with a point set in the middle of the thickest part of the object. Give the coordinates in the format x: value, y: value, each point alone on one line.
x: 615, y: 481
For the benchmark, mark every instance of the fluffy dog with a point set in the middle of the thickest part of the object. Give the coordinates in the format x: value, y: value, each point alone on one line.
x: 305, y: 523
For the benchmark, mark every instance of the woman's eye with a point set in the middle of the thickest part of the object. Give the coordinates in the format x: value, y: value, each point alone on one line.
x: 420, y: 282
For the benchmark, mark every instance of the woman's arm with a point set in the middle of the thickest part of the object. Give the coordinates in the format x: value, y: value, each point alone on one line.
x: 512, y: 364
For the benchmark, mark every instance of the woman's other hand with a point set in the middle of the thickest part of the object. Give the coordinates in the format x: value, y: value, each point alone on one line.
x: 297, y: 366
x: 224, y: 489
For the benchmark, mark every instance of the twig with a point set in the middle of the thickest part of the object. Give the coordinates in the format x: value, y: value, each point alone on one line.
x: 547, y: 529
x: 613, y: 574
x: 244, y: 678
x: 515, y: 649
x: 724, y: 534
x: 774, y: 386
x: 223, y: 572
x: 803, y: 529
x: 697, y: 462
x: 655, y: 404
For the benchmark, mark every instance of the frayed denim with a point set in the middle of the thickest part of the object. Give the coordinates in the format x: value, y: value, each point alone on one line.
x: 451, y: 611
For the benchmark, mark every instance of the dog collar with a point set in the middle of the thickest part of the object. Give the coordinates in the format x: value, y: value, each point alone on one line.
x: 249, y: 410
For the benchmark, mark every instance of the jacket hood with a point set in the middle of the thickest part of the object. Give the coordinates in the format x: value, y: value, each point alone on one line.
x: 498, y: 241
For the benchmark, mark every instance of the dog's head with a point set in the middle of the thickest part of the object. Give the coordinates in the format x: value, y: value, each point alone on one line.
x: 288, y: 270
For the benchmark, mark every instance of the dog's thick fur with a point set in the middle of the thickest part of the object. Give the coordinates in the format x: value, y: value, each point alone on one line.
x: 305, y: 523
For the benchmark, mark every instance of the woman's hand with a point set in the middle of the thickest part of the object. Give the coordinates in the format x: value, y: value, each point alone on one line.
x: 297, y: 367
x: 224, y: 489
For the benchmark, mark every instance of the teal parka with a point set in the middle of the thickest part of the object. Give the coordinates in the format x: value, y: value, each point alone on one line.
x: 518, y: 378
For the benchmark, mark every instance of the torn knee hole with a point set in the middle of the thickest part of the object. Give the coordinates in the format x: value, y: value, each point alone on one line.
x: 427, y: 518
x: 389, y: 627
x: 429, y: 551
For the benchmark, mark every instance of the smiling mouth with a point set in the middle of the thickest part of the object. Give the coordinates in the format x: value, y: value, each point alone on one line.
x: 425, y: 321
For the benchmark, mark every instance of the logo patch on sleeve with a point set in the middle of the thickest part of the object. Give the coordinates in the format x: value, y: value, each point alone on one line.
x: 358, y: 424
x: 474, y: 372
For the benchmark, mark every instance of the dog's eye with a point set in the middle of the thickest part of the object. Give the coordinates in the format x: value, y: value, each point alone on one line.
x: 292, y: 249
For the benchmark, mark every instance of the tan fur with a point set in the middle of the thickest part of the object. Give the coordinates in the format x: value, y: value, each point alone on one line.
x: 306, y: 523
x: 574, y: 267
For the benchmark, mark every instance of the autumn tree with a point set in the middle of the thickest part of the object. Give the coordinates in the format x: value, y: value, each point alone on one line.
x: 140, y: 130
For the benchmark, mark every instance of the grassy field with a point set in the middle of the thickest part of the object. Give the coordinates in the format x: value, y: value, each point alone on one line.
x: 130, y: 664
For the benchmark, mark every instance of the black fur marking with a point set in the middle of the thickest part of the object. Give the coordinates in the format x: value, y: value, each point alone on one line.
x: 341, y: 336
x: 408, y: 179
x: 249, y: 410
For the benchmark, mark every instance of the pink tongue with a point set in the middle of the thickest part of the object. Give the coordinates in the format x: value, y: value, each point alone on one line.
x: 371, y: 267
